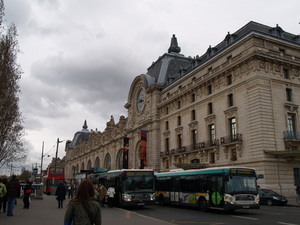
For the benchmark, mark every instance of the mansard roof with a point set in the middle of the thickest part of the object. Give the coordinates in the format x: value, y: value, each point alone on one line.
x: 172, y: 65
x: 80, y: 136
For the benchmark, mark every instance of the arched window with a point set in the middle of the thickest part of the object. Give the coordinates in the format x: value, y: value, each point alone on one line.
x: 82, y: 166
x: 97, y: 163
x: 120, y: 159
x: 107, y: 162
x: 73, y: 171
x: 89, y: 165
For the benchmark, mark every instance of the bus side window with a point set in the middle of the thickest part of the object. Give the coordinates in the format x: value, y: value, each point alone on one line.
x: 175, y: 184
x: 204, y: 184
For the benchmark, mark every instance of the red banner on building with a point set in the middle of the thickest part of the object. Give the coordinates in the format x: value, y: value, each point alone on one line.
x: 143, y: 149
x: 125, y: 153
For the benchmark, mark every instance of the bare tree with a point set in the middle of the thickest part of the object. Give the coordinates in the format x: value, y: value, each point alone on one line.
x: 11, y: 128
x: 25, y: 175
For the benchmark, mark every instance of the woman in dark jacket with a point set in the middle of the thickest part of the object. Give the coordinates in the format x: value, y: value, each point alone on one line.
x: 61, y: 194
x: 26, y: 196
x: 84, y: 209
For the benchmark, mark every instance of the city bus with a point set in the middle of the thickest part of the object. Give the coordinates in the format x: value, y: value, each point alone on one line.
x: 48, y: 179
x: 134, y: 187
x: 227, y: 188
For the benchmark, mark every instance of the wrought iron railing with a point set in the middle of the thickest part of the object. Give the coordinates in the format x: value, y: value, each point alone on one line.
x: 231, y: 138
x: 291, y: 135
x: 189, y: 148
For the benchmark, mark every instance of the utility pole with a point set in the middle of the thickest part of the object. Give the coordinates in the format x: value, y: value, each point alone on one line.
x: 55, y: 164
x: 42, y: 161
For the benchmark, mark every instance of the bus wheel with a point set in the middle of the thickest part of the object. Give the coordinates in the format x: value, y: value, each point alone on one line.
x: 202, y: 204
x: 161, y: 200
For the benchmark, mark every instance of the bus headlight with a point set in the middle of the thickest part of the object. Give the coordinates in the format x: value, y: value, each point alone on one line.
x: 127, y: 197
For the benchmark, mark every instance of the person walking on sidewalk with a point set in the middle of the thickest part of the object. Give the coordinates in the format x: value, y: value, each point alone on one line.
x: 84, y: 209
x: 27, y: 193
x: 4, y: 200
x: 71, y: 190
x: 110, y: 196
x: 2, y: 193
x: 102, y: 193
x: 13, y: 191
x: 61, y: 194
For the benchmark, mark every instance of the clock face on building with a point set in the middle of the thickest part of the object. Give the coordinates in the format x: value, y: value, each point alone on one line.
x: 140, y: 100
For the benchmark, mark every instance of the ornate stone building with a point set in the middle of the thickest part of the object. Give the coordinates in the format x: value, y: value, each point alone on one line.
x: 237, y: 104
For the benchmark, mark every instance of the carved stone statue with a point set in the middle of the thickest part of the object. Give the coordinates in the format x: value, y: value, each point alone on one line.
x: 174, y: 45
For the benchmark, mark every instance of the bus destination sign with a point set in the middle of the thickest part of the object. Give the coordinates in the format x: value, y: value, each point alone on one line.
x: 242, y: 171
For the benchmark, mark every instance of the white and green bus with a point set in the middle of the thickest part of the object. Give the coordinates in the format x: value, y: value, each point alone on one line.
x: 227, y: 188
x: 134, y: 187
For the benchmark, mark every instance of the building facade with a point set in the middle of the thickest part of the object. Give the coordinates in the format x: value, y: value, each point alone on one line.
x: 236, y: 105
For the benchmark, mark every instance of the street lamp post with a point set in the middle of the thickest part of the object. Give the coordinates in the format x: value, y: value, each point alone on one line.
x: 42, y: 158
x: 42, y: 161
x: 55, y: 164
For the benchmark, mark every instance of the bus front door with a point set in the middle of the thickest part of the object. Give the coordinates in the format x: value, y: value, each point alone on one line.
x: 216, y: 192
x: 175, y: 190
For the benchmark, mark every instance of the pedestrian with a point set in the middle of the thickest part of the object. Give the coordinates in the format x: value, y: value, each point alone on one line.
x: 61, y: 194
x: 96, y: 193
x: 27, y: 193
x: 4, y: 200
x: 298, y: 189
x: 71, y: 190
x: 2, y: 192
x: 83, y: 209
x: 111, y: 196
x: 66, y: 186
x: 102, y: 194
x: 13, y: 191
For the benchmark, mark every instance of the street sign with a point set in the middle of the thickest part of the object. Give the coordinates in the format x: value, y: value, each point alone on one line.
x: 35, y: 171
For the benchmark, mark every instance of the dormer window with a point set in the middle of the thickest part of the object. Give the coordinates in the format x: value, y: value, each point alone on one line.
x: 277, y: 31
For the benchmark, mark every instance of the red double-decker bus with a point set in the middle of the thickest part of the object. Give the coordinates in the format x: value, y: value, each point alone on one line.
x: 53, y: 178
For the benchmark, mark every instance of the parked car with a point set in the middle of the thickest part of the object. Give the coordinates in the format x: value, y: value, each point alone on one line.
x: 269, y: 197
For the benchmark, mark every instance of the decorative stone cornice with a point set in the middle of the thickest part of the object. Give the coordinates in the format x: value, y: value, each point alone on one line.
x: 193, y: 125
x: 210, y: 118
x: 167, y: 134
x: 230, y: 111
x: 291, y: 107
x: 179, y: 130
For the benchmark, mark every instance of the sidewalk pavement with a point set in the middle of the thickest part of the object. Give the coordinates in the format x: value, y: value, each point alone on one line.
x: 46, y: 212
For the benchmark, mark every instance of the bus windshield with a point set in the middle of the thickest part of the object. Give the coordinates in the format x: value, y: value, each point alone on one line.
x: 241, y: 185
x: 139, y: 183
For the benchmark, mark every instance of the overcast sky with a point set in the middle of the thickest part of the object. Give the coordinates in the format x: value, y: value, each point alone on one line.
x: 79, y: 57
